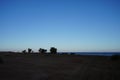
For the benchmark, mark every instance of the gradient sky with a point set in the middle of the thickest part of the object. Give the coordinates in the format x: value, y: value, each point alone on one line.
x: 69, y: 25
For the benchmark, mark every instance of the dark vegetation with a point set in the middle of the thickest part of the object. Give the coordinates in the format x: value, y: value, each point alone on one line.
x: 115, y: 57
x: 29, y: 50
x: 42, y: 51
x: 53, y: 50
x: 72, y: 53
x: 24, y: 51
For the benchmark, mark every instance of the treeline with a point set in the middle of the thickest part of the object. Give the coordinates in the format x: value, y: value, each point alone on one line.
x: 53, y: 50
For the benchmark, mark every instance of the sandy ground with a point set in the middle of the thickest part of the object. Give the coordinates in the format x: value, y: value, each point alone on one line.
x: 58, y: 67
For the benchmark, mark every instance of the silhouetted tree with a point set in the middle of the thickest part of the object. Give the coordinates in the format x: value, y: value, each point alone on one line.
x: 29, y: 50
x: 53, y: 50
x: 24, y: 51
x: 42, y: 50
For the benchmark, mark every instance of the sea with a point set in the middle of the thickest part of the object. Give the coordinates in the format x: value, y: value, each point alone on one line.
x: 93, y: 53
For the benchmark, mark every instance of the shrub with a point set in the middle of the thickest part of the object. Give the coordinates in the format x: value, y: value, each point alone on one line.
x: 72, y: 53
x: 24, y: 51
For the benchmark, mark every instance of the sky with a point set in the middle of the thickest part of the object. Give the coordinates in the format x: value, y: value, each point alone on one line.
x: 68, y: 25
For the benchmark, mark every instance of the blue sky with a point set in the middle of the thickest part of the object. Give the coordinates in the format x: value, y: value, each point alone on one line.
x: 69, y: 25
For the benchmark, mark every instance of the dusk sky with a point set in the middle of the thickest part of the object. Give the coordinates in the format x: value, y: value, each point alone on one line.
x: 68, y: 25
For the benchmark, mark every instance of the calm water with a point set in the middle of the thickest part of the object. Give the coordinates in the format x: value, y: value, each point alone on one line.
x: 95, y: 53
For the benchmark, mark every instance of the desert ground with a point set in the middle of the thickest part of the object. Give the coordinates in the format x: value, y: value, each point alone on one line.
x: 18, y: 66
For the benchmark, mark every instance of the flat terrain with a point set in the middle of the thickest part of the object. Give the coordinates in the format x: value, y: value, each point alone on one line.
x: 58, y: 67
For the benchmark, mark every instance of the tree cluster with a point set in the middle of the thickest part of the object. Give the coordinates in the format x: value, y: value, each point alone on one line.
x: 53, y: 50
x: 42, y: 50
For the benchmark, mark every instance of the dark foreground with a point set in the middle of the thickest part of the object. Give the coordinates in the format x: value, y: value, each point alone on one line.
x: 58, y: 67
